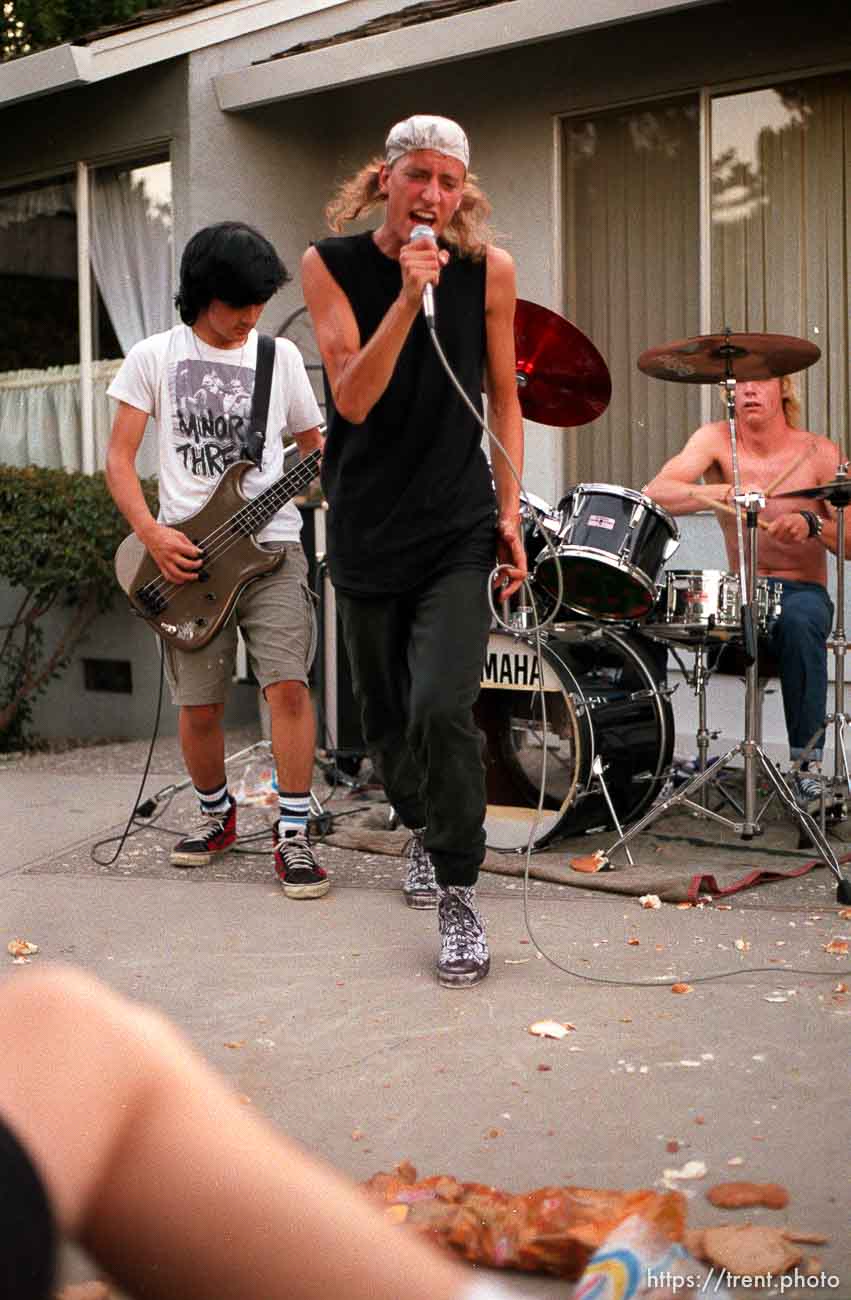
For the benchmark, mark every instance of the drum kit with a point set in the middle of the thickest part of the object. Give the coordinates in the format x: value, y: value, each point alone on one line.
x: 587, y: 694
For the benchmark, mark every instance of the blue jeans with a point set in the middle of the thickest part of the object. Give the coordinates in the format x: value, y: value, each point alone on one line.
x: 798, y: 638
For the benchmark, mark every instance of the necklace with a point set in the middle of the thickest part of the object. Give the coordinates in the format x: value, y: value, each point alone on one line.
x: 207, y: 361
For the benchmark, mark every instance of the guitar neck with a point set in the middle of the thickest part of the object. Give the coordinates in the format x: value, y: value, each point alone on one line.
x: 260, y: 509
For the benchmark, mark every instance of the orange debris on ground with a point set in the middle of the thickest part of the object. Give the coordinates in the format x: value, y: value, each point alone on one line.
x: 550, y: 1230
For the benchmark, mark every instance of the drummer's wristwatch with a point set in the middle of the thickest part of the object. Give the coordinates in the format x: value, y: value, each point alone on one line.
x: 815, y: 523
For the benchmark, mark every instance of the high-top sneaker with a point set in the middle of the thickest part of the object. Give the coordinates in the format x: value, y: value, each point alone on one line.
x: 808, y: 786
x: 464, y: 957
x: 420, y: 887
x: 215, y: 834
x: 296, y: 868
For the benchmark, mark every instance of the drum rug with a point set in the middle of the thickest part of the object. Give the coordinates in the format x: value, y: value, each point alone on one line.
x: 671, y: 882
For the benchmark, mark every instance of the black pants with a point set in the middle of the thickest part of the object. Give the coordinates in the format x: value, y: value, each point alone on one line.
x: 416, y: 666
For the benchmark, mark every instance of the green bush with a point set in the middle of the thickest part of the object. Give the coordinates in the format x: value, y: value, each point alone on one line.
x: 58, y: 536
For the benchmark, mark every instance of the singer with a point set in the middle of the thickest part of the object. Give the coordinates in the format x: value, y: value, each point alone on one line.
x: 417, y: 517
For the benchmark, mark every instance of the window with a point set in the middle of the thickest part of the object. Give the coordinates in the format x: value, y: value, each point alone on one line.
x: 61, y: 342
x: 780, y: 228
x: 660, y: 246
x: 633, y: 236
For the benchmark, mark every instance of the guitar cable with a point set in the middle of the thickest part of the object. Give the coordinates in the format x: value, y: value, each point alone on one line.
x: 537, y: 628
x: 148, y: 809
x: 146, y: 815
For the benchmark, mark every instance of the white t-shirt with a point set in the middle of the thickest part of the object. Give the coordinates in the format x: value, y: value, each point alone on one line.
x: 200, y: 398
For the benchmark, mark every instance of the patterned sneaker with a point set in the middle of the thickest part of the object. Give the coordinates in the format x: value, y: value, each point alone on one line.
x: 464, y: 958
x: 808, y: 787
x: 420, y: 887
x: 215, y: 834
x: 296, y: 867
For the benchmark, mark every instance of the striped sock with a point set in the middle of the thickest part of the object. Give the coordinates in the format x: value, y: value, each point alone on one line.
x: 214, y: 801
x: 293, y: 809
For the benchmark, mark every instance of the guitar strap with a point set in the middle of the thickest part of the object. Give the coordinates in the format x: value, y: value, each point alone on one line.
x: 254, y: 438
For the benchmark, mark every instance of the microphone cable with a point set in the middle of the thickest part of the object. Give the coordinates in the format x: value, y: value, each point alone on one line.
x: 537, y: 629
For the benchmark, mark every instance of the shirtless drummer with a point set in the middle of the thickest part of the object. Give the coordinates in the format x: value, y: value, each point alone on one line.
x: 791, y: 547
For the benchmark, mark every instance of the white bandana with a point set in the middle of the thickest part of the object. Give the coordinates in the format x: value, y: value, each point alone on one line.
x: 425, y: 132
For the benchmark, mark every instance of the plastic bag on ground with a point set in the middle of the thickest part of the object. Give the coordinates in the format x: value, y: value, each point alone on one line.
x: 637, y: 1260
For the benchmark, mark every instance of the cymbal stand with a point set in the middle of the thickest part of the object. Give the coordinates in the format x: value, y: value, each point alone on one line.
x: 840, y: 499
x: 839, y: 646
x: 751, y: 751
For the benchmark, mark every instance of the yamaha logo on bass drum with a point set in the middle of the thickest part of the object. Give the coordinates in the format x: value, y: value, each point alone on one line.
x: 511, y: 663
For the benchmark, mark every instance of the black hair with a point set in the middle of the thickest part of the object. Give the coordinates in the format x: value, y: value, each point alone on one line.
x: 229, y: 261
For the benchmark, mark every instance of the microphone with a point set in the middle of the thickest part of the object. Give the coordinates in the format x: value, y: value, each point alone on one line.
x: 425, y: 232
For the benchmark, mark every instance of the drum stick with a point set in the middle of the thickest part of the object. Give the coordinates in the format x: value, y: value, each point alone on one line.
x: 722, y: 507
x: 781, y: 478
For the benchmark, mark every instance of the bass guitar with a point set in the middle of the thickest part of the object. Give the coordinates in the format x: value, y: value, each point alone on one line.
x: 189, y: 614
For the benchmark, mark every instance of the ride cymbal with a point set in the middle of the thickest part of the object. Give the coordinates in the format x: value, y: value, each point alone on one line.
x: 561, y: 377
x: 705, y: 359
x: 837, y: 492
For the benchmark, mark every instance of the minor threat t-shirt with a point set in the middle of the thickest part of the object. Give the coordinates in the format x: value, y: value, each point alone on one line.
x: 200, y: 398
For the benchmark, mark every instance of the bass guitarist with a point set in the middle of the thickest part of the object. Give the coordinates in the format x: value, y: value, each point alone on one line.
x: 183, y: 380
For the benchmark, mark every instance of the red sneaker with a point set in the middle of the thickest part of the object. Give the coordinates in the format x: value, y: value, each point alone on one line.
x: 215, y: 834
x: 297, y: 869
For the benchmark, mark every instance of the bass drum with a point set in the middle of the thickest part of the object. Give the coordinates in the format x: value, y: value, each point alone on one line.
x: 601, y: 698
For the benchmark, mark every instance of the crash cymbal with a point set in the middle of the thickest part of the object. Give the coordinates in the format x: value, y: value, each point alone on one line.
x: 703, y: 360
x: 561, y: 377
x: 837, y: 492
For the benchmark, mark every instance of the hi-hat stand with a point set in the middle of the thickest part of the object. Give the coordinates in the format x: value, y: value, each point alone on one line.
x: 697, y: 679
x: 723, y: 351
x: 838, y: 494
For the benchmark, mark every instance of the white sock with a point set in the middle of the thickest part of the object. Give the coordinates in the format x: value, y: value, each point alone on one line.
x: 293, y: 810
x: 213, y: 801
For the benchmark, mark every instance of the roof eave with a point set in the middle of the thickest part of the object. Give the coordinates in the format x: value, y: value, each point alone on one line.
x: 43, y: 73
x: 127, y: 50
x: 458, y: 36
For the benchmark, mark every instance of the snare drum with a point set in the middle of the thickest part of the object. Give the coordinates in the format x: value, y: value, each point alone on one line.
x: 704, y: 605
x: 612, y: 545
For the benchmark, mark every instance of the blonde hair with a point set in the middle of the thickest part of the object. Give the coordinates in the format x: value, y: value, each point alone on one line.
x: 789, y: 397
x: 468, y: 231
x: 791, y: 401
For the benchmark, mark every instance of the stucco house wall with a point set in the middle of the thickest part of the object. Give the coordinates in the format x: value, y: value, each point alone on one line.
x: 276, y: 166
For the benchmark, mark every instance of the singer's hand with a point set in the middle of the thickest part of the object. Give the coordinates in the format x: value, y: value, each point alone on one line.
x: 511, y: 554
x: 421, y: 263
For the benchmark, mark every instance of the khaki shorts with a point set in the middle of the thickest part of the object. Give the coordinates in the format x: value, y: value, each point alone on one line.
x: 275, y: 616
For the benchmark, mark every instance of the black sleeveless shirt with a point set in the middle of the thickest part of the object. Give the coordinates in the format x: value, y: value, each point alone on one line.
x: 409, y: 490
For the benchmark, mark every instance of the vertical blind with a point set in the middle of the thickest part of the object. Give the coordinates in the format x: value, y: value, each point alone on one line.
x: 779, y: 259
x: 632, y: 275
x: 780, y: 228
